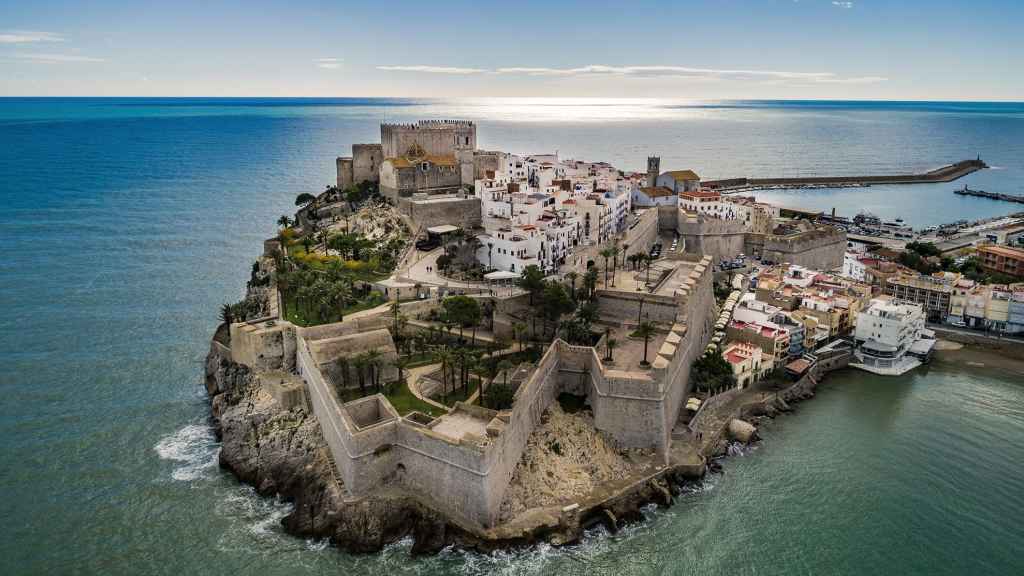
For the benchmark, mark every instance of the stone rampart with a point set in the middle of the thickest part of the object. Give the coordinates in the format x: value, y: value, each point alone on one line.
x: 720, y: 239
x: 627, y: 307
x: 263, y: 345
x: 466, y: 478
x: 820, y: 249
x: 366, y: 161
x: 435, y: 211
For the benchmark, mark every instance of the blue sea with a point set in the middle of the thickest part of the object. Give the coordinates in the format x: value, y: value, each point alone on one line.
x: 127, y: 222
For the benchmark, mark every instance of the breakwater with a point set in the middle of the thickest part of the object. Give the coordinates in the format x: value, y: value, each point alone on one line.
x: 965, y: 191
x: 946, y: 173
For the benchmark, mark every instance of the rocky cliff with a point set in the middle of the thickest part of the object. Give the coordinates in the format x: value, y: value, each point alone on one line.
x: 282, y: 452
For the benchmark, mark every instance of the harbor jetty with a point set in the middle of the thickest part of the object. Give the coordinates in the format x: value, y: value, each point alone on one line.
x: 965, y: 191
x: 946, y: 173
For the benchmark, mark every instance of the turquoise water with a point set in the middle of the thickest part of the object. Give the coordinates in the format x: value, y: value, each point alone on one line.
x: 127, y: 222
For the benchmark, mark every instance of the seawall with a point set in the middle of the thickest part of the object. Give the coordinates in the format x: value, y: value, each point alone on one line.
x: 946, y: 173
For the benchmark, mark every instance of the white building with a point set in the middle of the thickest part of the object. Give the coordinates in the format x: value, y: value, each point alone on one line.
x: 538, y: 209
x: 647, y: 197
x: 853, y: 267
x: 891, y: 338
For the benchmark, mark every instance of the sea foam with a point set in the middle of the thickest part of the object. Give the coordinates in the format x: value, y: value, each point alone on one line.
x: 194, y: 447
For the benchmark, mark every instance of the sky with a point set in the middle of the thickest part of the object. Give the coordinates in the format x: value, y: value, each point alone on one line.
x: 712, y: 49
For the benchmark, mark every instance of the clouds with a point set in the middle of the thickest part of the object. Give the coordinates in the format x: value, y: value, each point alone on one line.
x: 649, y: 71
x: 55, y: 58
x: 454, y: 70
x: 328, y: 63
x: 19, y: 38
x: 840, y: 4
x: 29, y: 37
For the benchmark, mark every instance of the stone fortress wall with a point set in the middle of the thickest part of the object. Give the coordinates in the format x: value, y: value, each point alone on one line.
x: 463, y: 211
x: 721, y: 239
x: 821, y: 248
x: 362, y: 166
x: 465, y: 478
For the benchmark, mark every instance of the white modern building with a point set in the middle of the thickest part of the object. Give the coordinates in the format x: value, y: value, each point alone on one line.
x: 891, y: 338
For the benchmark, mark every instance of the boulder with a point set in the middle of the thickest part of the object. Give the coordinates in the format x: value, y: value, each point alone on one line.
x: 742, y: 431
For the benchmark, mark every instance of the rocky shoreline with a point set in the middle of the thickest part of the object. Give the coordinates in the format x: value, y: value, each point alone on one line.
x: 282, y: 452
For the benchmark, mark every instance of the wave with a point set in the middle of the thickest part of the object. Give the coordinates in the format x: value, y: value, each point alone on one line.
x: 194, y: 447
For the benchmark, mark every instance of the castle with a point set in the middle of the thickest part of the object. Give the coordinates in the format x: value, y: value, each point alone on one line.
x: 430, y: 156
x: 462, y: 462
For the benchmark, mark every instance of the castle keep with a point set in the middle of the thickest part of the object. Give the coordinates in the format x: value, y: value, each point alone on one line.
x: 430, y: 156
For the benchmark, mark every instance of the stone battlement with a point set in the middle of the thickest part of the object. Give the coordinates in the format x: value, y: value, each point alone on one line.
x: 462, y: 462
x: 430, y: 124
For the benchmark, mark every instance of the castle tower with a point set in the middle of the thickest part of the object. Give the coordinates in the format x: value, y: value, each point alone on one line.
x: 653, y: 169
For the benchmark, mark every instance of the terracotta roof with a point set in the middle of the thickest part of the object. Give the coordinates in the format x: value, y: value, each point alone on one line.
x: 701, y: 194
x: 438, y: 160
x: 1003, y: 251
x: 683, y: 174
x: 734, y: 358
x: 657, y: 191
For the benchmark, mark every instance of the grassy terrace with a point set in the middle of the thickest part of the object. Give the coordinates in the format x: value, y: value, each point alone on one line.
x: 301, y: 317
x: 400, y: 397
x: 404, y: 401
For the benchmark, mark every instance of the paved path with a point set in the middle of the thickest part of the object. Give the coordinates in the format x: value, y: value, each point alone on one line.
x: 418, y: 271
x: 993, y: 336
x: 412, y: 379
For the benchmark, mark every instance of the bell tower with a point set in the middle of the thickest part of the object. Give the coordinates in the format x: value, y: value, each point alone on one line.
x: 653, y: 169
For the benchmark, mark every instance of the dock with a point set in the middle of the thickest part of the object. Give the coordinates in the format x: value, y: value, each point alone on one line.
x: 965, y: 191
x: 946, y: 173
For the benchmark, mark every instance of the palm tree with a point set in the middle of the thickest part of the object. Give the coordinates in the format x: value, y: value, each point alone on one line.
x: 373, y: 359
x: 645, y: 330
x: 590, y: 282
x: 284, y: 221
x: 461, y: 355
x: 606, y: 254
x: 519, y: 331
x: 401, y: 363
x: 503, y: 367
x: 615, y: 258
x: 359, y: 363
x: 394, y: 312
x: 227, y: 315
x: 571, y: 276
x: 610, y: 344
x: 445, y: 357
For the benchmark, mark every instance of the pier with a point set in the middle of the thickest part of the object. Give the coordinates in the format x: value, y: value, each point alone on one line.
x: 946, y: 173
x: 965, y: 191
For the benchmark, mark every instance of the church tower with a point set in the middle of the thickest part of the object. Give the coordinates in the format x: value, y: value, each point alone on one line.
x: 653, y: 169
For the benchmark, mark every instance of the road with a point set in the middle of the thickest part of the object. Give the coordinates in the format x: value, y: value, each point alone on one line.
x: 995, y: 337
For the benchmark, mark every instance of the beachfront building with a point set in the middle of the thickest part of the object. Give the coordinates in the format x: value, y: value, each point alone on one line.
x: 997, y: 308
x: 773, y: 340
x: 932, y: 292
x: 826, y: 304
x: 890, y: 338
x: 1002, y: 260
x: 747, y: 363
